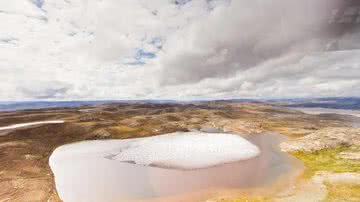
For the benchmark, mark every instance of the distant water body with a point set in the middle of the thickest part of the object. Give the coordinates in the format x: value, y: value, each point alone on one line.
x: 328, y: 111
x: 317, y: 111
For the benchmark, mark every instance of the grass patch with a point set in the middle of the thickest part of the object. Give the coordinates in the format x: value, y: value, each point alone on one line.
x: 342, y: 192
x: 327, y: 160
x: 124, y: 132
x: 122, y: 128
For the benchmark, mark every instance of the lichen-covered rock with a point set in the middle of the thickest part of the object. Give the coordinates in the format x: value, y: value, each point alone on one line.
x: 323, y: 139
x: 101, y: 134
x: 132, y: 122
x: 237, y: 126
x: 89, y: 118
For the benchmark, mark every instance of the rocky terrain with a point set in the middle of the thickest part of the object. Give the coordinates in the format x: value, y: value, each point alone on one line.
x: 326, y: 138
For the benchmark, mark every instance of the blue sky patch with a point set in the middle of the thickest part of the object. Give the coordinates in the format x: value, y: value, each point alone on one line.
x: 157, y: 42
x: 140, y: 57
x: 38, y: 3
x: 135, y: 63
x: 141, y: 54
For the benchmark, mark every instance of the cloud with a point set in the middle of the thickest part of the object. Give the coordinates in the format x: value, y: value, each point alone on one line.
x: 44, y: 90
x: 79, y: 49
x: 243, y: 35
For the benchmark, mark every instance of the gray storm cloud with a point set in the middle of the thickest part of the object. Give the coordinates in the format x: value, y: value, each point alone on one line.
x: 247, y: 34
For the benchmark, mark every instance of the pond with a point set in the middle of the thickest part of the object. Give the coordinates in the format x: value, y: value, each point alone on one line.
x: 87, y: 171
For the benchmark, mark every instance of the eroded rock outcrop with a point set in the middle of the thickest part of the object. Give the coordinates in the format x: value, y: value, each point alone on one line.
x: 323, y: 139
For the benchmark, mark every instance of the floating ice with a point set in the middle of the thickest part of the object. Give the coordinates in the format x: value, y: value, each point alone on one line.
x: 181, y: 150
x: 21, y: 125
x: 188, y: 150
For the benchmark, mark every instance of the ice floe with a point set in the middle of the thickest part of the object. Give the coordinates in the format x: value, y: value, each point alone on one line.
x: 183, y: 150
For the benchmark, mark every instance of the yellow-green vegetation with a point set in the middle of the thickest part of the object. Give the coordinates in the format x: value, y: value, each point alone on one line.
x: 246, y: 199
x: 342, y: 192
x: 286, y: 128
x: 123, y: 128
x: 122, y: 131
x: 328, y: 160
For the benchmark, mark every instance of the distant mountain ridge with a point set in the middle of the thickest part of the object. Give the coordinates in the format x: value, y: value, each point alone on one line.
x: 23, y: 105
x: 327, y: 102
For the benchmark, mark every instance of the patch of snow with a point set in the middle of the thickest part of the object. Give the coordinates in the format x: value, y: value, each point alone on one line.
x: 21, y: 125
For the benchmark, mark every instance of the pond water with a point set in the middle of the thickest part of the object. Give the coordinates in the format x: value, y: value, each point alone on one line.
x: 328, y: 111
x: 355, y: 122
x: 84, y: 177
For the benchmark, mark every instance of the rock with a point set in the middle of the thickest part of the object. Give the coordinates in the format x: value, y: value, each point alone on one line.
x: 132, y: 122
x: 89, y: 118
x: 31, y: 157
x: 101, y: 134
x: 238, y: 126
x: 323, y: 139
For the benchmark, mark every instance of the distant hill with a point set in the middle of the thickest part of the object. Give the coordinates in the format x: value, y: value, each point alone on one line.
x: 12, y: 106
x: 22, y: 105
x: 329, y: 102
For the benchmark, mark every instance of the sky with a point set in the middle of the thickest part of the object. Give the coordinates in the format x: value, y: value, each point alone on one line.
x: 177, y: 49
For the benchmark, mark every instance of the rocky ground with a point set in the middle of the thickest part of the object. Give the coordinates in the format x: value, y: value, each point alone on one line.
x: 332, y: 159
x: 327, y: 138
x: 26, y: 176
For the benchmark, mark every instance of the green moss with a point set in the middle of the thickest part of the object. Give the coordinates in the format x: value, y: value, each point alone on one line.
x: 342, y: 192
x: 327, y: 160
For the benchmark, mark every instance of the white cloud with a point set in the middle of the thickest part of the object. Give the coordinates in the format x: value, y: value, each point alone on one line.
x: 80, y: 49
